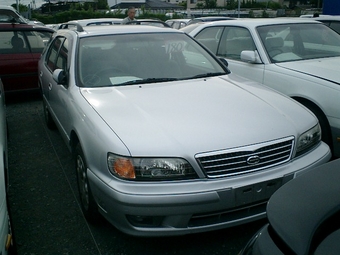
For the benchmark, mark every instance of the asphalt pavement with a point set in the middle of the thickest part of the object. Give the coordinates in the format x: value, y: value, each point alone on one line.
x: 44, y: 203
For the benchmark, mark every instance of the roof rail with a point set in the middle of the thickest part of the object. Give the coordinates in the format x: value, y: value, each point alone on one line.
x: 70, y: 25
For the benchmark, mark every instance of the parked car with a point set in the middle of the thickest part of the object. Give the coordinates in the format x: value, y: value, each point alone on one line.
x: 53, y: 26
x: 209, y: 19
x: 20, y: 49
x: 90, y: 22
x: 177, y: 23
x: 190, y: 27
x: 35, y: 22
x: 297, y: 57
x: 150, y: 22
x: 10, y: 15
x: 332, y: 21
x: 303, y: 216
x: 166, y: 141
x: 6, y: 236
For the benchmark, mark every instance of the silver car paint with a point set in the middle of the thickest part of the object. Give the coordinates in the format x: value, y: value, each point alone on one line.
x: 177, y: 119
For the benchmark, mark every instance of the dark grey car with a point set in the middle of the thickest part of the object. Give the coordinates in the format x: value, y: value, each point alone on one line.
x: 303, y: 216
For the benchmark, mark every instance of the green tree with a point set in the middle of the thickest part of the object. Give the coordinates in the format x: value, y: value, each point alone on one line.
x: 22, y: 8
x: 102, y: 4
x: 210, y: 3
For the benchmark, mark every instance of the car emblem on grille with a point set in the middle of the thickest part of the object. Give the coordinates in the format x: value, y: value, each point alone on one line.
x: 253, y: 160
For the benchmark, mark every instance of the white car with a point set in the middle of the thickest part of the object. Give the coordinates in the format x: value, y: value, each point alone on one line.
x: 298, y: 57
x: 6, y: 242
x: 332, y: 21
x: 166, y: 141
x: 90, y: 22
x: 177, y: 23
x: 10, y: 15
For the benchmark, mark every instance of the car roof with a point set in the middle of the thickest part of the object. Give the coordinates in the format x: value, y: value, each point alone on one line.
x: 213, y: 18
x: 23, y: 26
x: 327, y: 17
x: 252, y: 23
x: 11, y: 13
x: 122, y: 29
x: 321, y: 16
x: 301, y: 206
x: 185, y: 20
x: 85, y: 22
x: 148, y: 22
x: 6, y: 7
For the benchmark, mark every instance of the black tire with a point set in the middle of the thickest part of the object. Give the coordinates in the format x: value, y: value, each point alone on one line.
x: 48, y: 118
x: 87, y: 202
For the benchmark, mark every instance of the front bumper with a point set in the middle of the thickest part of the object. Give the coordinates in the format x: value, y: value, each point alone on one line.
x: 178, y: 208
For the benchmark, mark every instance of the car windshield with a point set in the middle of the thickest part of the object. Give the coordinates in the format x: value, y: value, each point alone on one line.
x: 293, y: 42
x: 127, y: 59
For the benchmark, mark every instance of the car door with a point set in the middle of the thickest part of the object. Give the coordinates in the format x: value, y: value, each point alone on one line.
x: 228, y: 42
x: 16, y: 65
x: 20, y: 51
x: 56, y: 94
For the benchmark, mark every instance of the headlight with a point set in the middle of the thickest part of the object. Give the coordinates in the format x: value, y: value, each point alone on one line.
x: 308, y: 140
x: 150, y: 168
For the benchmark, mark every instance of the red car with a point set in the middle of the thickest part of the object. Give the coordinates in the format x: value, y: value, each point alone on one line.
x: 20, y: 48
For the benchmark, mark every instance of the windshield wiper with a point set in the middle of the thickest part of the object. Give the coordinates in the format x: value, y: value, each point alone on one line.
x: 145, y: 81
x: 205, y: 75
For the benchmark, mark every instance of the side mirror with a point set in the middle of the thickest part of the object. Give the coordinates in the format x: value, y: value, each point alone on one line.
x: 250, y: 56
x: 59, y: 76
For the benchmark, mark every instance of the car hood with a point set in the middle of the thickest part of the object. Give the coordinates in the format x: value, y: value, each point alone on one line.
x: 196, y: 115
x: 300, y: 210
x: 323, y: 68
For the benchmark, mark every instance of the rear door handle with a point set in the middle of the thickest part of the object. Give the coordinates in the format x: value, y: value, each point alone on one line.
x: 50, y: 86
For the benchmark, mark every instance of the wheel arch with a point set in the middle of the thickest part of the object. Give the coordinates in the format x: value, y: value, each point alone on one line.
x: 74, y: 140
x: 324, y: 123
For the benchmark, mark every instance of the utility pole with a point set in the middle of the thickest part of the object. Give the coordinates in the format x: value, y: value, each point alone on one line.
x: 188, y: 9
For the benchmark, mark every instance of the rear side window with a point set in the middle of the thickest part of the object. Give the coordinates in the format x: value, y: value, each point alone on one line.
x: 335, y: 25
x: 210, y: 37
x: 12, y: 42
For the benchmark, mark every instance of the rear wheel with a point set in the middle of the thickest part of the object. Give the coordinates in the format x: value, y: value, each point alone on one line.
x: 87, y: 202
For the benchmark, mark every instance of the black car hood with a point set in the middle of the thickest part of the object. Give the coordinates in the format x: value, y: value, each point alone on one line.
x: 298, y: 210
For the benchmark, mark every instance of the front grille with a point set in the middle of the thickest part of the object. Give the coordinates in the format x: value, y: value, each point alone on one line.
x: 246, y: 159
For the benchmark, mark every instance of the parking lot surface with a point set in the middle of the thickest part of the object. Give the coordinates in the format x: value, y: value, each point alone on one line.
x: 44, y: 203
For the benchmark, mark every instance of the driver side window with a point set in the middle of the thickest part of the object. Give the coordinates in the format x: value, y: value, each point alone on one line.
x: 53, y: 58
x: 235, y: 40
x: 61, y: 62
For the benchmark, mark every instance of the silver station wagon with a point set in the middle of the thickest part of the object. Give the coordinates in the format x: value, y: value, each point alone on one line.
x: 166, y: 141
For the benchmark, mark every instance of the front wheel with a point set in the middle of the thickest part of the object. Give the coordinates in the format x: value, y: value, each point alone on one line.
x: 87, y: 202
